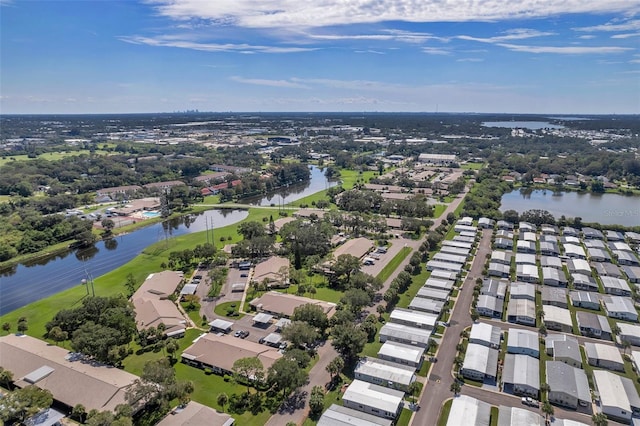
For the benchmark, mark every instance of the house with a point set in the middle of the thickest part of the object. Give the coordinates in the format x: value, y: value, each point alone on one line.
x: 633, y: 237
x: 498, y: 270
x: 194, y: 413
x: 508, y: 416
x: 570, y: 240
x: 401, y: 353
x: 547, y: 229
x: 523, y: 342
x: 549, y: 248
x: 412, y: 318
x: 579, y: 266
x: 632, y: 273
x: 485, y: 334
x: 439, y: 284
x: 591, y: 234
x: 528, y: 236
x: 521, y: 311
x: 153, y: 306
x: 373, y: 399
x: 466, y: 221
x: 520, y: 290
x: 585, y: 299
x: 525, y: 259
x: 501, y: 256
x: 554, y: 296
x: 273, y: 272
x: 550, y: 262
x: 495, y: 288
x: 526, y: 227
x: 337, y: 415
x: 594, y: 244
x: 455, y: 251
x: 620, y: 246
x: 449, y: 258
x: 626, y: 258
x: 608, y: 269
x: 284, y: 304
x: 554, y: 277
x: 459, y: 228
x: 523, y: 246
x: 469, y: 411
x: 433, y: 294
x: 618, y: 396
x: 568, y: 385
x: 593, y: 325
x: 218, y: 353
x: 598, y: 255
x: 574, y: 251
x: 604, y: 356
x: 503, y: 243
x: 427, y: 305
x: 620, y: 308
x: 486, y: 223
x: 405, y: 334
x: 457, y: 244
x: 447, y: 266
x: 357, y: 247
x: 521, y: 375
x: 564, y: 348
x: 556, y: 318
x: 569, y: 231
x: 489, y: 306
x: 527, y: 273
x: 584, y: 282
x: 616, y: 286
x: 503, y: 224
x: 444, y: 275
x: 385, y: 373
x: 629, y: 333
x: 480, y: 363
x: 35, y: 362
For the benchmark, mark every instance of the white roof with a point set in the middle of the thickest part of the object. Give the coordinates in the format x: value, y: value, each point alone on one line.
x: 508, y: 416
x: 409, y: 315
x: 519, y: 289
x: 519, y: 338
x: 370, y: 395
x: 525, y: 259
x: 619, y: 304
x: 469, y: 411
x: 574, y: 249
x: 615, y: 283
x: 429, y: 305
x: 481, y: 358
x: 221, y: 324
x: 439, y: 283
x: 521, y: 370
x: 613, y: 393
x: 603, y: 352
x: 337, y: 415
x: 262, y: 318
x: 401, y: 351
x: 557, y: 315
x: 484, y: 332
x: 404, y: 332
x: 386, y: 370
x: 579, y: 265
x: 627, y: 329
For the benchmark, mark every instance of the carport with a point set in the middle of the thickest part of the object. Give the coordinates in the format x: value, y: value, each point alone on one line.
x: 262, y: 320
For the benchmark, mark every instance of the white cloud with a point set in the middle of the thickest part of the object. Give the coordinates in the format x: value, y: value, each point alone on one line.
x: 470, y: 60
x: 514, y: 34
x: 271, y: 83
x: 587, y: 37
x: 178, y: 42
x: 613, y: 26
x: 435, y: 51
x: 385, y: 35
x: 321, y: 13
x: 567, y: 50
x: 370, y: 51
x: 626, y: 35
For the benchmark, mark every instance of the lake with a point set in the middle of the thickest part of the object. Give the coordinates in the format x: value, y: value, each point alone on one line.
x: 607, y: 209
x: 532, y: 125
x: 26, y: 283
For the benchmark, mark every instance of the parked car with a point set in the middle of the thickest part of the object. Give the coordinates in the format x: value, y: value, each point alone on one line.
x: 238, y: 333
x: 244, y: 334
x: 526, y: 400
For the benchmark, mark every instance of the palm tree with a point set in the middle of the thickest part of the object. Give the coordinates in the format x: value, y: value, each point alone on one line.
x: 599, y: 419
x: 455, y: 387
x: 458, y: 362
x: 547, y: 409
x: 625, y: 345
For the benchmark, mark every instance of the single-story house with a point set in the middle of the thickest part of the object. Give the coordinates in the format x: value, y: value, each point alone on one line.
x: 447, y: 266
x: 373, y: 399
x: 413, y: 318
x: 501, y: 256
x: 593, y: 325
x: 620, y: 308
x: 439, y: 284
x: 527, y: 273
x: 608, y: 269
x: 519, y: 290
x: 283, y: 304
x: 598, y: 255
x: 405, y: 334
x: 486, y: 223
x: 485, y: 334
x: 488, y: 306
x: 616, y: 286
x: 549, y: 248
x: 273, y: 272
x: 521, y: 311
x: 618, y: 395
x: 604, y: 356
x: 584, y: 282
x: 466, y: 410
x: 503, y: 243
x: 574, y: 251
x: 556, y: 318
x: 495, y: 288
x: 632, y: 273
x: 579, y: 266
x: 564, y: 348
x: 585, y: 299
x: 498, y: 270
x: 550, y: 262
x: 525, y: 259
x: 433, y: 294
x: 523, y: 246
x: 401, y: 353
x: 592, y: 234
x: 554, y: 277
x: 554, y: 296
x: 505, y: 225
x: 337, y: 415
x: 429, y: 306
x: 385, y: 373
x: 569, y: 231
x: 626, y: 258
x: 629, y: 332
x: 523, y: 342
x: 480, y: 363
x: 153, y: 306
x: 357, y: 247
x: 521, y: 375
x: 568, y: 385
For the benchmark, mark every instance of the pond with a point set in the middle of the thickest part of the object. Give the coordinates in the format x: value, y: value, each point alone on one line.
x: 607, y: 209
x: 531, y: 125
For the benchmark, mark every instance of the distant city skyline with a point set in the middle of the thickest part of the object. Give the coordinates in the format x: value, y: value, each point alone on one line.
x: 125, y: 56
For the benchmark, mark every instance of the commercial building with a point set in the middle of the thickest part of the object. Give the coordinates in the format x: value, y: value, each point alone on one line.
x: 373, y: 399
x: 521, y: 375
x: 568, y: 385
x: 523, y: 342
x: 480, y: 363
x: 337, y: 415
x: 618, y: 396
x: 35, y: 362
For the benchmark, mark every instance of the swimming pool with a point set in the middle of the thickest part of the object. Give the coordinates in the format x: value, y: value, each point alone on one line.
x: 151, y: 214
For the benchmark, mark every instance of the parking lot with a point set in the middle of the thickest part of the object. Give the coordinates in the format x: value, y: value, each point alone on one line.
x: 381, y: 259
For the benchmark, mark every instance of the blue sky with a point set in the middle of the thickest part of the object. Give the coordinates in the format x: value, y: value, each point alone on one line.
x: 520, y: 56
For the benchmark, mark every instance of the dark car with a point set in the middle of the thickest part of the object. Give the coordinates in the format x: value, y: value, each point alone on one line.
x: 244, y: 334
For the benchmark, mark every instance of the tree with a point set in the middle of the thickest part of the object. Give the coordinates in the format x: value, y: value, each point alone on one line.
x: 356, y: 299
x: 455, y: 387
x: 300, y: 334
x: 285, y: 375
x: 300, y: 356
x: 108, y: 225
x: 625, y: 345
x: 414, y: 389
x: 251, y: 229
x: 24, y: 403
x: 348, y: 340
x: 130, y: 284
x: 344, y: 266
x: 380, y: 309
x: 79, y: 412
x: 172, y: 347
x: 600, y: 419
x: 313, y: 315
x: 547, y: 409
x: 223, y: 399
x: 544, y: 387
x: 22, y: 325
x: 335, y: 366
x: 57, y: 335
x: 248, y: 370
x: 316, y: 401
x: 6, y: 378
x: 6, y: 327
x: 157, y: 387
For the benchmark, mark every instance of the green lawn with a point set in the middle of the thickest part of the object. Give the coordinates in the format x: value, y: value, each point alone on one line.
x: 438, y: 210
x: 51, y: 156
x: 472, y: 166
x: 221, y: 309
x: 444, y: 412
x: 350, y: 177
x: 405, y: 417
x: 393, y: 264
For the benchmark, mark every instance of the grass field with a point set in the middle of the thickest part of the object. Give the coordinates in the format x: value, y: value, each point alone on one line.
x: 350, y: 177
x: 394, y: 263
x: 444, y: 413
x: 472, y: 166
x: 51, y: 156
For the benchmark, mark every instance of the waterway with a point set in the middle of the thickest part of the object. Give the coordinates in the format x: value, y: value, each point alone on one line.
x: 532, y: 125
x: 28, y: 282
x: 607, y: 209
